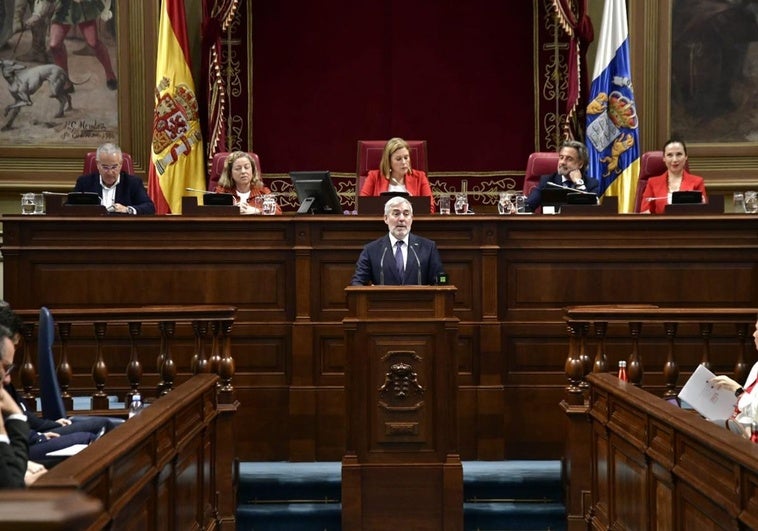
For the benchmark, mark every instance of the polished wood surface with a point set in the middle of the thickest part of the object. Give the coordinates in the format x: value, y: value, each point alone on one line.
x: 132, y: 477
x: 656, y: 466
x: 287, y: 274
x: 400, y: 386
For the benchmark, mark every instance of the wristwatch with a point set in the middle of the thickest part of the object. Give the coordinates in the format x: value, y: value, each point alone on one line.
x: 580, y: 182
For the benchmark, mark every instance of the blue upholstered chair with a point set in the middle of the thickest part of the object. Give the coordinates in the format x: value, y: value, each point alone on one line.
x: 50, y: 391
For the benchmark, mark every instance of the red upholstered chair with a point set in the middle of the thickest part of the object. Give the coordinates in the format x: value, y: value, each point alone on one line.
x: 217, y: 166
x: 539, y: 163
x: 370, y: 154
x: 651, y: 165
x: 90, y: 163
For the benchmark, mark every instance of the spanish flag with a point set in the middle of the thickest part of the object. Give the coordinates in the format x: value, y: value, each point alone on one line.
x: 176, y: 154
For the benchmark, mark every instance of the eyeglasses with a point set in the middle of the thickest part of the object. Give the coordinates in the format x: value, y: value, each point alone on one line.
x: 109, y: 167
x: 9, y: 368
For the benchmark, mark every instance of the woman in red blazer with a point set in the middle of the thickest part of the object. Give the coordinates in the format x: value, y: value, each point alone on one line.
x: 396, y: 175
x: 658, y: 191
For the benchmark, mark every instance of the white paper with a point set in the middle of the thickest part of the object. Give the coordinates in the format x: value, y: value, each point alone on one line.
x: 712, y: 403
x: 68, y: 450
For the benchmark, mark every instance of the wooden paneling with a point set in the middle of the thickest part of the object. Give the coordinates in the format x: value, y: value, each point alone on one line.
x: 287, y: 274
x: 660, y: 467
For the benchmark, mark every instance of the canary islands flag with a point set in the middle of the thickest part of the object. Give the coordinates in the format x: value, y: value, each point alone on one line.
x: 612, y: 132
x: 176, y: 155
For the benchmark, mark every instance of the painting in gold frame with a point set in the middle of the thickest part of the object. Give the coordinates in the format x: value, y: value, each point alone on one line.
x: 31, y: 159
x: 726, y: 160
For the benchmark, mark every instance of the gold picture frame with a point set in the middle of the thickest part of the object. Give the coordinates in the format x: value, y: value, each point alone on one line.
x: 726, y: 163
x: 54, y: 165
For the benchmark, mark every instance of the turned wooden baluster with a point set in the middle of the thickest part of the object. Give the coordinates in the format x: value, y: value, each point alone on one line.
x: 634, y: 365
x: 27, y: 372
x: 134, y: 367
x: 601, y: 360
x: 670, y: 368
x: 215, y: 359
x: 741, y: 369
x: 199, y: 361
x: 583, y: 356
x: 168, y: 368
x: 706, y: 330
x: 226, y: 367
x: 64, y: 371
x: 100, y: 370
x: 574, y: 368
x: 160, y: 360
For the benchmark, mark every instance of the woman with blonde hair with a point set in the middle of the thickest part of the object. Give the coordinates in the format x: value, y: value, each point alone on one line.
x: 396, y: 175
x: 241, y: 177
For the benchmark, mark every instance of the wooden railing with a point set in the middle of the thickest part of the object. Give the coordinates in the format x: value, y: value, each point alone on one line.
x: 146, y: 336
x: 600, y: 336
x: 170, y: 467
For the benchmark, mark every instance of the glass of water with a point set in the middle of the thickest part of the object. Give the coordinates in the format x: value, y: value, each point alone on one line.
x: 444, y: 202
x: 505, y: 203
x: 27, y: 204
x: 461, y: 204
x: 751, y: 202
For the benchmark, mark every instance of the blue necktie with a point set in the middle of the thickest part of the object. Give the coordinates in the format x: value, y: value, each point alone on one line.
x: 399, y: 257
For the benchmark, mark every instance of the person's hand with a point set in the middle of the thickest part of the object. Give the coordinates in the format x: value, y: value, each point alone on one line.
x: 575, y: 176
x: 246, y: 208
x: 8, y: 406
x: 121, y: 209
x: 33, y: 472
x: 63, y: 422
x: 724, y: 382
x: 51, y: 435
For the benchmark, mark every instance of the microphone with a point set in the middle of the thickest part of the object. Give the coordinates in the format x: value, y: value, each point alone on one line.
x: 575, y: 190
x: 418, y: 262
x: 200, y: 191
x: 52, y: 193
x: 381, y: 267
x: 655, y: 198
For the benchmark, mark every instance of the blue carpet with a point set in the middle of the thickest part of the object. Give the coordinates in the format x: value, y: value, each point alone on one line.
x: 498, y: 496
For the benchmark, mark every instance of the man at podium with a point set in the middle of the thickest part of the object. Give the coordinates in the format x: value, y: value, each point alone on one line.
x: 399, y: 258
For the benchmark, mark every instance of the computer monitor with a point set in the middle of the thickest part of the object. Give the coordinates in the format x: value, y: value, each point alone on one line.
x: 316, y: 192
x: 686, y: 197
x: 82, y: 198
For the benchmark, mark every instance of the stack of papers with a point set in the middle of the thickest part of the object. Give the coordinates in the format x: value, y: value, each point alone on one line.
x: 712, y: 403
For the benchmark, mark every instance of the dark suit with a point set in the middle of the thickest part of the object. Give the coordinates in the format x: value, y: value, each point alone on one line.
x: 130, y: 191
x: 534, y: 201
x: 13, y: 456
x: 376, y: 264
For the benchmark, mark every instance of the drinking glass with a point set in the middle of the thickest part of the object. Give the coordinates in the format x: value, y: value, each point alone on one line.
x: 39, y: 204
x: 505, y: 204
x: 27, y: 204
x: 258, y: 204
x: 444, y: 203
x: 751, y: 202
x: 461, y: 204
x: 269, y: 205
x: 520, y: 204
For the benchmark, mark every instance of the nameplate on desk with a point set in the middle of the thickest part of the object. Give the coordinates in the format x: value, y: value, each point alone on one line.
x: 714, y: 206
x: 58, y: 205
x: 609, y: 206
x: 374, y: 206
x: 191, y: 208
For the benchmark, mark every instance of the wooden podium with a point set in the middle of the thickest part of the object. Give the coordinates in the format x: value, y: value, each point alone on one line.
x: 401, y: 469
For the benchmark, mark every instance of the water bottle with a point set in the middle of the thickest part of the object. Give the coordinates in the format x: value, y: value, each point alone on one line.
x: 622, y: 371
x: 136, y: 405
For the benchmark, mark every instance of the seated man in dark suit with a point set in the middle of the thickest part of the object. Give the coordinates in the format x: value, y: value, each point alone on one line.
x: 399, y: 257
x: 119, y: 192
x: 14, y: 430
x: 572, y: 160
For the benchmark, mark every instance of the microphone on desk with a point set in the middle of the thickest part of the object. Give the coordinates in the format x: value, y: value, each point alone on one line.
x: 200, y: 191
x: 418, y: 262
x: 381, y: 267
x: 44, y: 192
x: 551, y: 183
x: 655, y: 198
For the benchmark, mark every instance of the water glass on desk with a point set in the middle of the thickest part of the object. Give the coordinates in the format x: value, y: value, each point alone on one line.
x: 32, y: 204
x: 444, y: 202
x: 461, y: 204
x: 751, y: 202
x: 269, y: 205
x: 506, y: 203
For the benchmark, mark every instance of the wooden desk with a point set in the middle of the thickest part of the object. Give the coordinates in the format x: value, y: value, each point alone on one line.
x: 287, y: 274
